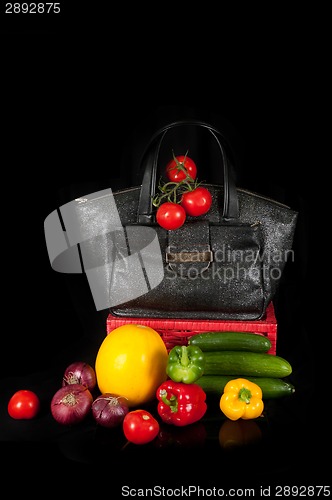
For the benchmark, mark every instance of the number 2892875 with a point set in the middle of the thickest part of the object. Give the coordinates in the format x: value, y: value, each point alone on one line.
x: 32, y: 8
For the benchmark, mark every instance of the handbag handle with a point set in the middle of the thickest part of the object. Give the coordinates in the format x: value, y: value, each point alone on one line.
x: 150, y: 163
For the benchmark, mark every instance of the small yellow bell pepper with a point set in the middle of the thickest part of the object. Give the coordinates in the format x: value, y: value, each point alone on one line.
x: 241, y: 399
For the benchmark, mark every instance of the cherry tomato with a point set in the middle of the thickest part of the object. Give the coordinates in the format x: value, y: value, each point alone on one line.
x: 170, y: 215
x: 24, y: 404
x: 197, y: 202
x: 140, y: 427
x: 174, y: 171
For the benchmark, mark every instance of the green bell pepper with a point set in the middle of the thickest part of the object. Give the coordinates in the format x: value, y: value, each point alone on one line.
x: 185, y: 364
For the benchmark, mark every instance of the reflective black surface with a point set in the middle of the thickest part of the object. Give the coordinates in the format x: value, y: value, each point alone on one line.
x: 52, y: 319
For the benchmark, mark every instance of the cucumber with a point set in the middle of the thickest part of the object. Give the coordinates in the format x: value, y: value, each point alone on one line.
x: 231, y: 341
x: 271, y: 387
x: 246, y: 364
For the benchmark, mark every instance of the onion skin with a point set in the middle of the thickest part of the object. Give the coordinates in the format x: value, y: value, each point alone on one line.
x: 80, y: 372
x: 71, y: 404
x: 109, y: 410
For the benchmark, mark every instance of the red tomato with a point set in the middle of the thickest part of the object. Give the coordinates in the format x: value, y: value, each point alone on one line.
x: 140, y: 427
x: 174, y: 168
x: 197, y: 202
x: 170, y: 215
x: 24, y: 404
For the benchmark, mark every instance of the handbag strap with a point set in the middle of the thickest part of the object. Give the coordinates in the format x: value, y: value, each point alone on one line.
x: 150, y: 164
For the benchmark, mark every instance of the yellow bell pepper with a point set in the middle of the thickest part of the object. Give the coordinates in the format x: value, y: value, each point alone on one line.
x: 241, y: 399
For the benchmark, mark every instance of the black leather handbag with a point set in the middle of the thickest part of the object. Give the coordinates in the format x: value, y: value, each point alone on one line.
x: 226, y: 264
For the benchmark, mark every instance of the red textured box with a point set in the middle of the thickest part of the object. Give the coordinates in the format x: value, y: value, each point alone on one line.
x: 178, y: 331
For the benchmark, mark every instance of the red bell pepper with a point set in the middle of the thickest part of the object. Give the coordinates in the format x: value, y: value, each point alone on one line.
x: 179, y: 403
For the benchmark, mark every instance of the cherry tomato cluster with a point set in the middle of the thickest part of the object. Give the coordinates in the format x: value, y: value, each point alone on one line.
x: 182, y: 195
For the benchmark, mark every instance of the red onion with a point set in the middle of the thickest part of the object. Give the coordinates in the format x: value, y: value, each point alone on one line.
x: 80, y: 373
x: 109, y: 410
x: 71, y: 404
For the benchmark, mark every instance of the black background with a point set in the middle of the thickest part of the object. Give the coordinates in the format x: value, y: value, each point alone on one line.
x: 78, y: 105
